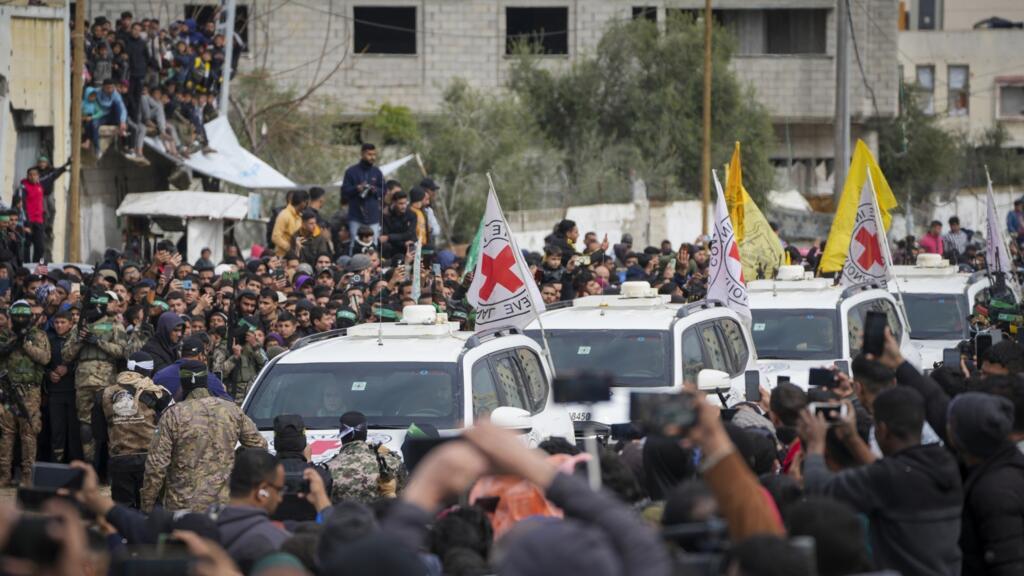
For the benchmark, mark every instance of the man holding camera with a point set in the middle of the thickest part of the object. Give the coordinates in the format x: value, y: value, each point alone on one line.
x: 27, y: 352
x: 363, y: 189
x: 97, y: 345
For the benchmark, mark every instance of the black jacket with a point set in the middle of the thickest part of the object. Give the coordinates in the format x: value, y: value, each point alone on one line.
x: 399, y: 228
x: 138, y: 59
x: 992, y: 539
x: 159, y: 346
x: 913, y: 501
x: 66, y: 385
x: 248, y: 534
x: 936, y: 402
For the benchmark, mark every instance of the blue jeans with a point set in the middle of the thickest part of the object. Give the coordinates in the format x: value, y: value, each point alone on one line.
x: 112, y: 118
x: 353, y: 231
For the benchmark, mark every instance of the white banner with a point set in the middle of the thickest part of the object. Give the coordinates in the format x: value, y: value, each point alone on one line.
x: 868, y: 259
x: 502, y: 292
x: 726, y: 283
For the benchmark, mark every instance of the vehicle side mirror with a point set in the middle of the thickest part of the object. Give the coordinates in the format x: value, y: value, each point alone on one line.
x: 512, y: 418
x: 713, y: 381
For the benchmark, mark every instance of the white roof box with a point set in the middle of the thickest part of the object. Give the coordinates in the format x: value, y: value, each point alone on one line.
x: 419, y: 314
x: 931, y: 261
x: 637, y: 290
x: 790, y: 273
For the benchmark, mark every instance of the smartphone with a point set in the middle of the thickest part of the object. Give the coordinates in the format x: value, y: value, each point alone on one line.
x: 666, y: 414
x: 186, y: 284
x: 50, y: 475
x: 844, y: 367
x: 832, y: 411
x: 752, y: 379
x: 874, y: 333
x: 414, y: 450
x: 951, y: 357
x: 821, y: 377
x: 982, y: 342
x: 435, y: 269
x: 294, y: 508
x: 782, y: 380
x: 584, y: 387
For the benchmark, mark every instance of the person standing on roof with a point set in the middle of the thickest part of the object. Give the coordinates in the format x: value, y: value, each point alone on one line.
x: 363, y: 189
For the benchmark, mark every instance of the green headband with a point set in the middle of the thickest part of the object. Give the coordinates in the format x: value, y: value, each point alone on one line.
x: 346, y: 315
x: 385, y: 313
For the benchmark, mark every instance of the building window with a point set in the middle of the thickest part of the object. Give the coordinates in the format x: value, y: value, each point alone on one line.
x: 795, y: 31
x: 203, y: 13
x: 385, y: 29
x: 545, y: 29
x: 1011, y: 100
x: 926, y: 88
x: 959, y: 91
x: 649, y: 13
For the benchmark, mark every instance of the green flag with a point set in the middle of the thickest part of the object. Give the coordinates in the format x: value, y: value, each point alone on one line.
x: 473, y: 253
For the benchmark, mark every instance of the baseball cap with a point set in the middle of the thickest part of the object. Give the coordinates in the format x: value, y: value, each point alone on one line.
x: 192, y: 346
x: 429, y: 184
x: 358, y: 263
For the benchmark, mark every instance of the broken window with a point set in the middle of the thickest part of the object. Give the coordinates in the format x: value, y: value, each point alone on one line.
x: 385, y: 29
x: 959, y: 91
x: 649, y: 13
x: 544, y: 29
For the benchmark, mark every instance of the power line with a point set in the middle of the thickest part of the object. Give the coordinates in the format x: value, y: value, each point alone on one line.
x: 860, y: 64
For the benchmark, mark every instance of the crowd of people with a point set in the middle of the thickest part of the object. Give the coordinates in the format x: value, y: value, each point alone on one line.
x: 151, y: 80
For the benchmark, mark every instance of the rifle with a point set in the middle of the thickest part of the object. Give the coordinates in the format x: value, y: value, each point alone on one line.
x: 10, y: 396
x: 232, y: 325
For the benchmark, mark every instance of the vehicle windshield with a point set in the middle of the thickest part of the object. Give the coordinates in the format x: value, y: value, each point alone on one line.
x: 796, y: 334
x: 936, y: 316
x: 632, y: 357
x: 390, y: 394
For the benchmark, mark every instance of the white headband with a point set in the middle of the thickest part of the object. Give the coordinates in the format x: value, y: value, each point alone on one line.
x: 145, y: 365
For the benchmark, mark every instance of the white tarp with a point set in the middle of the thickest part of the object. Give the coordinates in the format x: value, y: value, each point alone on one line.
x: 205, y: 234
x: 185, y: 204
x: 230, y: 162
x: 389, y: 168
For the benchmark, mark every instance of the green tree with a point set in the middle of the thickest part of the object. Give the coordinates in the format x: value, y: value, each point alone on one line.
x: 473, y: 134
x: 635, y: 107
x: 395, y: 124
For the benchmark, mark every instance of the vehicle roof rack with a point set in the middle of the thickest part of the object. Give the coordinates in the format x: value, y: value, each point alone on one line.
x: 337, y: 332
x: 692, y: 307
x: 858, y: 288
x: 490, y: 334
x: 558, y: 305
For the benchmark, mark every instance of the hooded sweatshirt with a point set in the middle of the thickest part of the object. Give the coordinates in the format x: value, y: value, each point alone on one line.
x: 912, y: 500
x: 248, y: 534
x: 159, y: 346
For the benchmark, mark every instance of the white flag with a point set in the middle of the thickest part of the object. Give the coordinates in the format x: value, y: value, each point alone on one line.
x: 868, y: 259
x: 503, y: 292
x: 725, y: 282
x: 995, y: 255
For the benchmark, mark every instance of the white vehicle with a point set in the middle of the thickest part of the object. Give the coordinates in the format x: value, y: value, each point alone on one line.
x: 421, y: 370
x: 801, y: 323
x: 938, y: 301
x: 645, y: 343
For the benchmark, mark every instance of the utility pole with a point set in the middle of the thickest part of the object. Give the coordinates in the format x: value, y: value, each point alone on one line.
x: 705, y: 163
x: 229, y: 56
x: 842, y: 118
x: 77, y: 63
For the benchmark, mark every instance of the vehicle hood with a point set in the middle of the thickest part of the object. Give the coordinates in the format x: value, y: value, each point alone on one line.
x: 931, y: 351
x: 797, y: 370
x: 325, y: 444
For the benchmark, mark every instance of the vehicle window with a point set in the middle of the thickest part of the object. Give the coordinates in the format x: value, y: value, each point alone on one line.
x: 736, y: 344
x: 857, y: 315
x: 536, y: 383
x: 715, y: 356
x: 392, y: 394
x: 693, y: 356
x: 936, y: 316
x: 634, y: 357
x: 891, y: 315
x: 510, y: 384
x: 485, y: 393
x: 794, y: 334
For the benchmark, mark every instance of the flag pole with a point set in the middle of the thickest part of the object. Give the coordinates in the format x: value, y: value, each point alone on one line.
x: 883, y: 239
x: 1008, y: 275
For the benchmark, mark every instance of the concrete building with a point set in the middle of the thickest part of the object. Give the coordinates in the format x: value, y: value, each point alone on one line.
x: 406, y: 52
x: 35, y: 98
x: 972, y: 78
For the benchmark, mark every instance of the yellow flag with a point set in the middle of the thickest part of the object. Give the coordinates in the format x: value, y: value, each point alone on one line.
x: 838, y: 243
x: 760, y: 250
x: 734, y: 192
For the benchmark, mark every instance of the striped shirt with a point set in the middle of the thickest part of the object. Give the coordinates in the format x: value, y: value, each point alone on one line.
x: 956, y: 241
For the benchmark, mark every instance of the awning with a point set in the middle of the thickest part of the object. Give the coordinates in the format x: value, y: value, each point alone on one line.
x: 230, y: 162
x: 389, y: 168
x: 185, y: 205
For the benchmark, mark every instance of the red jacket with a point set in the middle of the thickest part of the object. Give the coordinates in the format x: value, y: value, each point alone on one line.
x: 32, y: 201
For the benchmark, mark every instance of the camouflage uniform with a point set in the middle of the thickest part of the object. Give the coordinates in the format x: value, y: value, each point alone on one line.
x: 97, y: 368
x: 238, y: 374
x: 193, y: 451
x: 357, y: 474
x: 131, y: 408
x: 25, y: 368
x: 138, y: 338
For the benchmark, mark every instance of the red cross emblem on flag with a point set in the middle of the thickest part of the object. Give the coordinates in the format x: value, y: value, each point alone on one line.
x: 872, y: 254
x: 734, y: 253
x: 499, y: 270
